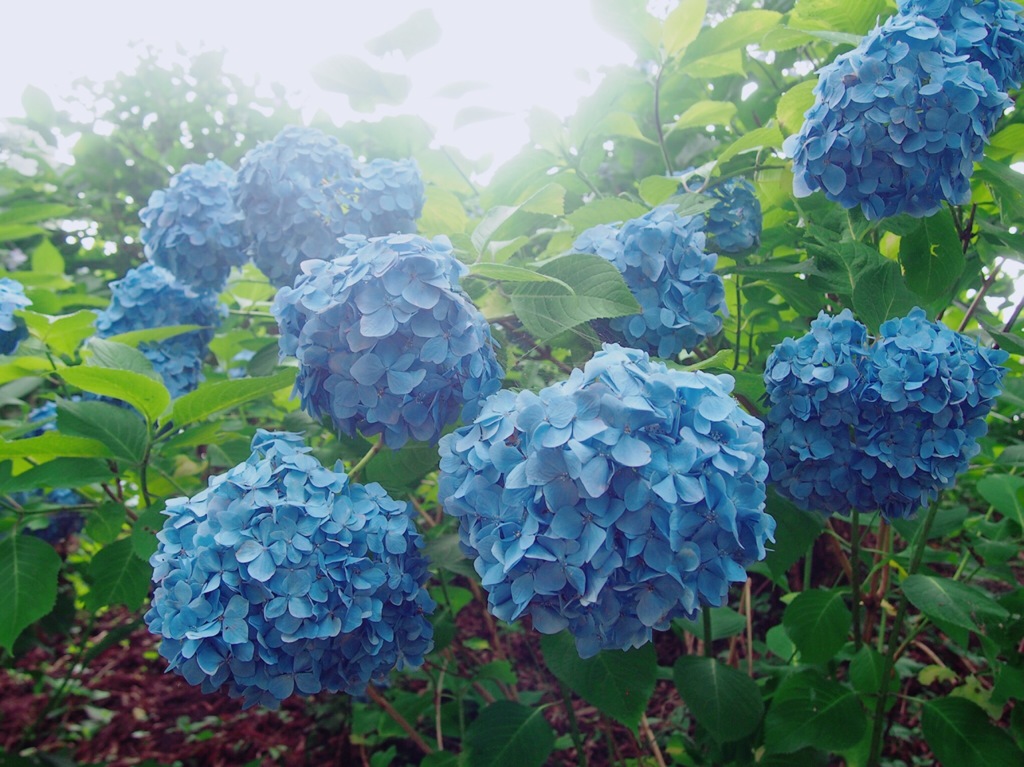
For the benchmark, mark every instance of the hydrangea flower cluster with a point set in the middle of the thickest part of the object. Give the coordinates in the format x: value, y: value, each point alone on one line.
x: 12, y: 329
x: 387, y: 341
x: 282, y: 576
x: 883, y: 425
x: 304, y: 189
x: 734, y: 224
x: 612, y: 502
x: 664, y: 261
x: 193, y: 228
x: 899, y: 121
x: 150, y: 297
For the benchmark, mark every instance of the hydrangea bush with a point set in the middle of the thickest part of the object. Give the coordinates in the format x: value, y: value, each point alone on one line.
x: 302, y: 191
x: 193, y: 228
x: 150, y: 297
x: 612, y: 502
x: 897, y: 123
x: 884, y: 425
x: 12, y: 329
x: 387, y: 341
x: 284, y: 577
x: 665, y: 262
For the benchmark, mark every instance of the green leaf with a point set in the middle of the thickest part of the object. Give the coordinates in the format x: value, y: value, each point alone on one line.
x: 444, y: 553
x: 735, y: 32
x: 508, y: 273
x: 682, y: 25
x: 932, y: 257
x: 32, y: 212
x: 795, y: 530
x: 46, y: 259
x: 61, y: 472
x: 725, y: 622
x: 399, y: 471
x: 598, y: 291
x: 147, y: 395
x: 620, y: 684
x: 416, y: 34
x: 705, y: 113
x: 818, y: 622
x: 104, y: 353
x: 952, y: 602
x: 144, y: 530
x: 443, y: 213
x: 623, y: 125
x: 866, y: 671
x: 810, y: 710
x: 505, y: 222
x: 28, y: 584
x: 654, y: 190
x: 507, y: 734
x: 839, y: 15
x: 629, y: 20
x: 122, y: 431
x: 767, y: 135
x: 1006, y: 493
x: 105, y: 523
x: 365, y: 86
x: 14, y: 232
x: 880, y: 293
x: 793, y: 104
x: 118, y: 577
x: 843, y: 264
x: 476, y: 114
x: 605, y: 210
x: 211, y: 398
x: 151, y: 335
x: 53, y: 445
x: 960, y: 733
x: 62, y: 334
x: 725, y: 701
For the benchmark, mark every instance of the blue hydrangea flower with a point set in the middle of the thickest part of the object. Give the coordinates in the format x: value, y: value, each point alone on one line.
x: 612, y: 502
x: 990, y: 32
x: 193, y: 228
x: 150, y: 297
x: 664, y: 261
x: 734, y: 224
x: 884, y: 425
x: 283, y: 577
x: 387, y: 341
x: 304, y: 189
x: 897, y: 123
x: 12, y: 329
x: 812, y: 386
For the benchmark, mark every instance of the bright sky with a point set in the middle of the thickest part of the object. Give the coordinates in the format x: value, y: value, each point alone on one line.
x: 531, y: 52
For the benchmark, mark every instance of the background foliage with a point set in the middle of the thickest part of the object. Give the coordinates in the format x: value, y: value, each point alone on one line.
x: 926, y: 666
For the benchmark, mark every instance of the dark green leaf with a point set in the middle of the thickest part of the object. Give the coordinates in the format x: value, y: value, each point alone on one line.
x: 725, y: 701
x: 416, y: 34
x: 144, y: 530
x: 117, y: 356
x: 105, y: 523
x: 213, y: 397
x: 122, y: 431
x: 618, y: 683
x: 795, y: 530
x: 961, y: 735
x: 725, y: 622
x: 1006, y: 493
x: 818, y: 622
x: 932, y: 257
x: 399, y: 471
x: 118, y: 577
x: 507, y: 734
x: 598, y: 291
x: 952, y: 602
x: 866, y: 671
x: 443, y: 552
x: 147, y: 395
x: 264, y: 362
x: 810, y: 710
x: 28, y: 584
x: 365, y: 86
x: 880, y: 294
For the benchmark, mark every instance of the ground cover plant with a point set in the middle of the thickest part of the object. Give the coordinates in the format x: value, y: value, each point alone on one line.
x: 690, y: 437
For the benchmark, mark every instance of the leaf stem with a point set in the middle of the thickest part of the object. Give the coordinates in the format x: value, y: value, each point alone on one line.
x: 358, y: 468
x: 878, y: 725
x: 855, y: 582
x: 574, y: 726
x: 657, y: 121
x: 706, y: 615
x: 374, y: 694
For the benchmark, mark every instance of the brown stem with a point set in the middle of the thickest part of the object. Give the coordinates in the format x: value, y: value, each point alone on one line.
x: 649, y: 734
x: 400, y: 720
x: 989, y: 281
x: 844, y: 561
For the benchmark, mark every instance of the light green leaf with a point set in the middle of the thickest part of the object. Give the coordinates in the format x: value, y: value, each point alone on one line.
x: 768, y: 135
x: 149, y: 335
x: 818, y: 622
x: 14, y: 232
x: 654, y: 190
x: 416, y: 34
x: 952, y: 602
x: 682, y: 25
x: 147, y: 395
x: 118, y: 577
x: 705, y: 113
x: 735, y: 32
x: 53, y: 445
x: 507, y: 734
x: 629, y: 20
x: 443, y: 213
x: 62, y: 334
x: 932, y: 257
x: 104, y: 353
x: 476, y: 114
x: 46, y: 259
x: 623, y: 125
x: 620, y: 684
x: 839, y: 15
x: 60, y: 472
x: 505, y: 222
x: 598, y: 291
x: 365, y: 86
x: 31, y: 212
x: 725, y: 701
x: 604, y: 210
x: 122, y: 431
x: 792, y: 106
x: 211, y: 398
x: 28, y: 584
x: 508, y: 273
x: 961, y: 735
x: 105, y: 523
x: 1006, y: 493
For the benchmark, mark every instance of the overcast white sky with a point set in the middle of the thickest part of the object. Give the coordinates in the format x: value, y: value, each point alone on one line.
x: 530, y: 52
